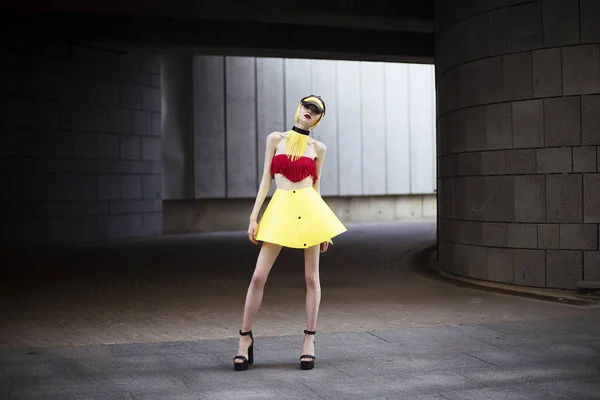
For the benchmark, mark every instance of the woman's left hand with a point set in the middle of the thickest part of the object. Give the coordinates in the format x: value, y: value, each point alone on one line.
x: 324, y: 247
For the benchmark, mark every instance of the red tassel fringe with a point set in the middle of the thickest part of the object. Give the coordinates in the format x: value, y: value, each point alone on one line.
x: 295, y: 171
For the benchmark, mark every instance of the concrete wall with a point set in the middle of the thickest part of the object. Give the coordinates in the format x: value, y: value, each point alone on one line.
x: 379, y: 130
x: 186, y: 216
x: 519, y: 135
x: 80, y: 145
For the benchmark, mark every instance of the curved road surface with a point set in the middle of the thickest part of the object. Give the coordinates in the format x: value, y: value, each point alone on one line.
x: 158, y: 319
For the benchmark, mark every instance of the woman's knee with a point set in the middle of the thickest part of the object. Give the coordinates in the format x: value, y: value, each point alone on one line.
x: 312, y: 281
x: 258, y: 281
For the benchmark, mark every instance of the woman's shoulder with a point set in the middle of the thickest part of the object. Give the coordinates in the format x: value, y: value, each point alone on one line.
x: 275, y: 137
x: 319, y: 146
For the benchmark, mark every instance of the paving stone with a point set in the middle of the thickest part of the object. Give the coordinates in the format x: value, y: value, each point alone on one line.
x: 498, y: 128
x: 548, y: 236
x: 529, y: 198
x: 547, y: 73
x: 469, y: 163
x: 141, y: 122
x: 517, y: 76
x: 528, y: 123
x: 501, y: 265
x: 590, y: 119
x: 478, y: 28
x: 473, y: 122
x: 590, y: 31
x: 526, y: 27
x: 591, y: 265
x: 579, y: 236
x: 563, y: 268
x: 581, y: 69
x: 500, y: 198
x: 564, y: 198
x: 591, y: 198
x: 131, y: 148
x: 530, y: 267
x: 584, y: 159
x: 493, y: 163
x: 495, y: 234
x: 561, y: 23
x: 562, y: 117
x: 554, y: 160
x: 500, y: 31
x: 522, y: 236
x: 520, y: 161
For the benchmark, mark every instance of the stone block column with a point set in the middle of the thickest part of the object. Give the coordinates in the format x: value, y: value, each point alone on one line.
x: 80, y: 145
x: 519, y: 140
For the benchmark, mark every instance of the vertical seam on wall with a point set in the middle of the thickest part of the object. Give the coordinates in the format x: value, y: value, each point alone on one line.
x: 410, y: 183
x: 362, y: 147
x: 579, y: 22
x: 562, y: 72
x: 434, y: 154
x: 256, y: 131
x: 337, y: 127
x: 192, y: 150
x: 385, y: 130
x: 225, y: 122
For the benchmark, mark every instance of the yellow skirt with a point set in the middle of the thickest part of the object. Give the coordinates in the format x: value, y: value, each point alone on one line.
x: 298, y: 219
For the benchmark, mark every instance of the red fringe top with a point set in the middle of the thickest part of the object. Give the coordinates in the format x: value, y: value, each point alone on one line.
x: 295, y: 171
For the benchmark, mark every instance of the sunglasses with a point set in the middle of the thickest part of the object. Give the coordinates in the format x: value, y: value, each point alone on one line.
x: 314, y: 109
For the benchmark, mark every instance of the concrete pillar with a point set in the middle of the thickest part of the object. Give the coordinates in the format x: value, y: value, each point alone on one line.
x: 519, y: 135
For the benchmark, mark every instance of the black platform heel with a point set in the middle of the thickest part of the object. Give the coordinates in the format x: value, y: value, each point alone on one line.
x: 307, y: 364
x: 242, y: 366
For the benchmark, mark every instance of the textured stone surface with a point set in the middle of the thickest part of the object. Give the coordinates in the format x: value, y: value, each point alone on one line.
x: 498, y: 127
x: 591, y: 198
x: 584, y: 159
x: 554, y: 160
x: 579, y: 236
x: 590, y: 119
x: 517, y: 76
x: 562, y: 117
x: 528, y: 123
x: 499, y: 198
x: 591, y: 265
x: 590, y: 29
x: 526, y: 27
x: 530, y: 267
x: 563, y: 268
x: 547, y: 73
x: 548, y: 236
x: 493, y: 163
x: 495, y: 234
x: 524, y: 236
x: 581, y: 69
x: 521, y: 161
x: 564, y: 198
x: 500, y: 31
x: 561, y: 23
x: 501, y: 265
x: 529, y: 200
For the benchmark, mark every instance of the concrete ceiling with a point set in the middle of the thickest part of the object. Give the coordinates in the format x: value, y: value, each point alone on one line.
x: 385, y: 30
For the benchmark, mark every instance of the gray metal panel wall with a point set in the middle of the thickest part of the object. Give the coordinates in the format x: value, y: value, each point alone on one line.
x: 379, y: 129
x: 240, y: 98
x: 209, y: 127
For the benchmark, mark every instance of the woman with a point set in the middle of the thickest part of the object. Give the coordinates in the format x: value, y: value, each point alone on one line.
x: 296, y: 217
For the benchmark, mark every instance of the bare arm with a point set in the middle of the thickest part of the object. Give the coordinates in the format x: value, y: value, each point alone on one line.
x: 321, y: 151
x: 265, y: 183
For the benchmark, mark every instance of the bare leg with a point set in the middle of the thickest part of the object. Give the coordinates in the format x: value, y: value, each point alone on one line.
x: 266, y: 258
x: 313, y: 296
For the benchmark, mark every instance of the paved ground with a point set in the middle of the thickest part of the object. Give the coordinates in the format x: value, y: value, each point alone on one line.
x: 157, y: 319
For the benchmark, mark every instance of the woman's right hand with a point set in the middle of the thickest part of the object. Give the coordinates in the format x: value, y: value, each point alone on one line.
x: 252, y: 230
